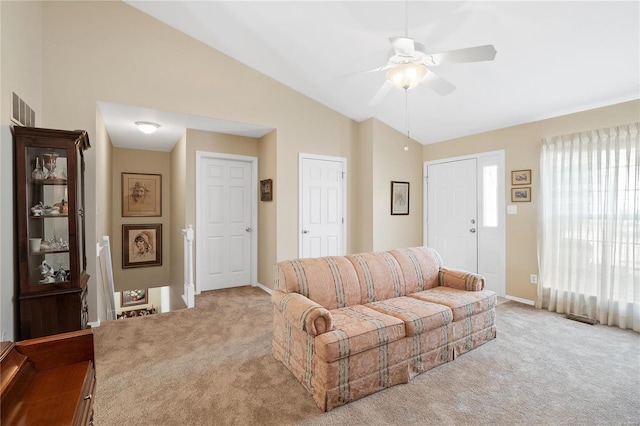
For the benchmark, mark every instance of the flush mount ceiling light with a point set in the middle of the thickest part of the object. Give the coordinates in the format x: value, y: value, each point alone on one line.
x: 147, y: 127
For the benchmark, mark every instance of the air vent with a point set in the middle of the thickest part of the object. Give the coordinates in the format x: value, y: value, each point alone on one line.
x: 21, y: 113
x: 581, y: 318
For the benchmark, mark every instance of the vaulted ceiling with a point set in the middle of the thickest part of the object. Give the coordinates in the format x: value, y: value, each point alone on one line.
x: 553, y: 57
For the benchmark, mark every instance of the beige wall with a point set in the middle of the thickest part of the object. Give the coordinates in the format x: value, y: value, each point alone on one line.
x: 361, y: 221
x: 104, y: 202
x: 140, y: 161
x: 392, y: 163
x: 21, y: 72
x: 381, y: 158
x: 267, y: 223
x: 522, y: 151
x: 178, y: 213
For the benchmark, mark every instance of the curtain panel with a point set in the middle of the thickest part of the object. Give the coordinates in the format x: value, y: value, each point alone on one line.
x: 589, y: 230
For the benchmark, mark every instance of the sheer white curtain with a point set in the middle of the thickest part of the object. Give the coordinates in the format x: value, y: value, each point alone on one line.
x: 589, y: 231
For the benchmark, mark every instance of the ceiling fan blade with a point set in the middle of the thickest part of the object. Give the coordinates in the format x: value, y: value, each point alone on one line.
x: 381, y: 93
x: 469, y: 54
x: 349, y: 74
x: 438, y: 84
x: 402, y: 46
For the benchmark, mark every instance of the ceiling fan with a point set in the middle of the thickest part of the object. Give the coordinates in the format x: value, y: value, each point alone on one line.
x: 409, y: 65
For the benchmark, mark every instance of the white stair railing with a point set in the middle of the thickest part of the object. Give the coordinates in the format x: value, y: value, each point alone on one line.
x: 189, y: 288
x: 104, y: 252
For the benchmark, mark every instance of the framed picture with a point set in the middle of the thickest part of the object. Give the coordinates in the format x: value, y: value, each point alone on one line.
x: 521, y: 177
x: 141, y: 195
x: 520, y: 195
x: 141, y: 245
x: 133, y: 297
x: 266, y: 190
x: 399, y: 197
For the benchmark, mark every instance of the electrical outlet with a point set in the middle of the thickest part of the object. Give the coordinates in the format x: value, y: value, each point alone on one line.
x: 533, y: 279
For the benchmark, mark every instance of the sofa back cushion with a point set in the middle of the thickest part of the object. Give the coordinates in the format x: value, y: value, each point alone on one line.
x: 420, y: 267
x: 329, y: 281
x: 379, y: 275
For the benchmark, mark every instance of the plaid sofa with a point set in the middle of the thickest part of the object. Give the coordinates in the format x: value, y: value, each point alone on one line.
x: 349, y: 326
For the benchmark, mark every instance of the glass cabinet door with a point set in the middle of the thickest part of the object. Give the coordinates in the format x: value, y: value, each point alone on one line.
x: 48, y: 224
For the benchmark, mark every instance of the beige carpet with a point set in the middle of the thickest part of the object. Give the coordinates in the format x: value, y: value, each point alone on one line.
x: 212, y: 365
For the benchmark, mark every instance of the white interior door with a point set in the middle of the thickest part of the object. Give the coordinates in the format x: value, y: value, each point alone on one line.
x: 225, y: 223
x: 465, y: 215
x: 452, y: 213
x: 322, y: 207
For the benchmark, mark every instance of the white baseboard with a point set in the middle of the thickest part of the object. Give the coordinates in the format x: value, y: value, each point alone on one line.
x: 264, y: 287
x: 94, y: 324
x: 520, y: 300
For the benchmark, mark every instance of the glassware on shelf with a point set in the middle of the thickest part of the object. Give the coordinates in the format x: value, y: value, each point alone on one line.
x: 49, y: 159
x: 38, y: 172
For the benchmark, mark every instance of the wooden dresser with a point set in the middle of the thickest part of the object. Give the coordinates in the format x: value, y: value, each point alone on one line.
x: 48, y: 381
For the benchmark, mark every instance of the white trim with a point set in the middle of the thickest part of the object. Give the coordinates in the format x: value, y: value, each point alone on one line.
x: 501, y: 200
x: 342, y: 160
x: 254, y: 210
x: 189, y: 288
x: 94, y: 324
x: 520, y: 300
x: 264, y: 288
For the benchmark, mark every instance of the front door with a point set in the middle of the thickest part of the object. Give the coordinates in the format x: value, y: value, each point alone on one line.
x: 225, y: 223
x: 465, y: 220
x: 322, y: 207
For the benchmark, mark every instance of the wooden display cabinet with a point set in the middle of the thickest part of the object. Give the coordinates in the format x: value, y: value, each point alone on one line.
x: 52, y: 276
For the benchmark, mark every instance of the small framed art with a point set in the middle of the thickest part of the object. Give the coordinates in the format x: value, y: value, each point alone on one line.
x: 521, y: 177
x: 520, y: 195
x: 266, y: 190
x: 141, y: 195
x: 141, y: 245
x: 133, y: 297
x: 399, y: 198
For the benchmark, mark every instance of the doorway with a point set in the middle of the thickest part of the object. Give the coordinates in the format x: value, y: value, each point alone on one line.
x: 323, y: 192
x: 226, y: 221
x: 465, y: 214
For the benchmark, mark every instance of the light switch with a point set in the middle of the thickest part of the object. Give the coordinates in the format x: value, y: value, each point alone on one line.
x: 512, y: 209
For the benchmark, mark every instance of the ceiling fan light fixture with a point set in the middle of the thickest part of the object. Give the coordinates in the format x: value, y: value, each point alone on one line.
x: 407, y: 76
x: 147, y: 127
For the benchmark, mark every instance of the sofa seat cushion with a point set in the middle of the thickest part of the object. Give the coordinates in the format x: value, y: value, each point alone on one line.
x: 357, y: 329
x: 419, y: 316
x: 463, y: 303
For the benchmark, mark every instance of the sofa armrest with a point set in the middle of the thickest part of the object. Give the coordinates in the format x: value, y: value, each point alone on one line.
x: 303, y: 313
x: 461, y: 280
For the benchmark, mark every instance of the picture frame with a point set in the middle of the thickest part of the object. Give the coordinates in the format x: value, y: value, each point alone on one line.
x: 399, y: 198
x: 141, y: 194
x: 266, y: 190
x: 141, y: 245
x: 521, y: 195
x: 133, y: 297
x: 521, y: 177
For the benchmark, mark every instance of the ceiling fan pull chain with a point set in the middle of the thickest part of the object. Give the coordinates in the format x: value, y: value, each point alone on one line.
x: 406, y: 107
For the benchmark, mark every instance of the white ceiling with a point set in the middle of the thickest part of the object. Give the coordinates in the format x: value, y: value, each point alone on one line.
x: 554, y: 57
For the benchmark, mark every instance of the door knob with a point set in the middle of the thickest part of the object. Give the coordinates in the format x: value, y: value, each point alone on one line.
x: 248, y: 229
x: 305, y: 231
x: 472, y: 230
